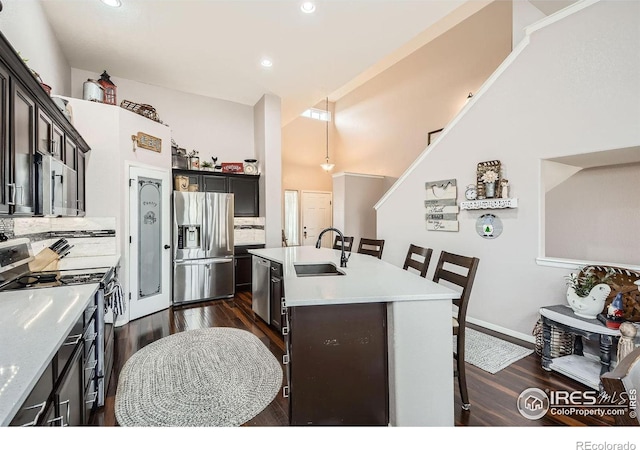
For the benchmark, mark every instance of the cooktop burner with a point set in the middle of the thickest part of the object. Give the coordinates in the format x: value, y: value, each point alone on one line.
x: 52, y: 279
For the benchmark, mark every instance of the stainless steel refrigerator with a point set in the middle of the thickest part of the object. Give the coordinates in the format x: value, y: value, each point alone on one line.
x: 203, y: 266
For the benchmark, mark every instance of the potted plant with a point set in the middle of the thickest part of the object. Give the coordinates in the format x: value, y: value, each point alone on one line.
x: 206, y: 165
x: 489, y: 179
x: 587, y: 292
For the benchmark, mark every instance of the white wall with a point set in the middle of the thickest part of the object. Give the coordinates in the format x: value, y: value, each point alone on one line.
x: 25, y: 26
x: 108, y: 129
x: 573, y: 89
x: 268, y: 144
x: 524, y: 14
x: 211, y: 126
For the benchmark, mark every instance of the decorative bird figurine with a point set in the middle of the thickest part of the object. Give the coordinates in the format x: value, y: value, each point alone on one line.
x: 590, y: 306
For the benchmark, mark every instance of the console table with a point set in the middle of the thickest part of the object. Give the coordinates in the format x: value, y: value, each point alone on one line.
x: 582, y: 368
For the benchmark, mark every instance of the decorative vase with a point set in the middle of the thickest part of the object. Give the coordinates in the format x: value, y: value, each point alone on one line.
x: 590, y: 306
x: 490, y: 189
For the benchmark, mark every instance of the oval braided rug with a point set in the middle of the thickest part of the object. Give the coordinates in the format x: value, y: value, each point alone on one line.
x: 207, y: 377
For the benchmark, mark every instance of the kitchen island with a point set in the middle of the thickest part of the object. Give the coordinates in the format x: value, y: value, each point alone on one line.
x: 419, y: 344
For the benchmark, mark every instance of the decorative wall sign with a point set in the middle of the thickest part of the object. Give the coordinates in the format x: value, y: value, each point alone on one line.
x: 441, y: 205
x: 233, y: 167
x: 489, y: 226
x: 147, y: 141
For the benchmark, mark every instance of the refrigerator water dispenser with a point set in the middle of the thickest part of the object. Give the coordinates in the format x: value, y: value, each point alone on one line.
x: 189, y: 236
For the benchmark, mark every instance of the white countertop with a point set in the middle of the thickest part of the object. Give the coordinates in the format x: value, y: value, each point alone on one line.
x: 366, y: 280
x: 33, y: 324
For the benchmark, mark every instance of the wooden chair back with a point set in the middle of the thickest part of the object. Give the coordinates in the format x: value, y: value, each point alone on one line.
x: 620, y: 381
x: 464, y: 264
x: 371, y: 247
x: 420, y: 266
x: 348, y: 243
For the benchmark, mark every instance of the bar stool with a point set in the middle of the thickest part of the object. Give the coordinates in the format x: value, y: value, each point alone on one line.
x: 348, y: 243
x: 371, y: 247
x: 420, y: 266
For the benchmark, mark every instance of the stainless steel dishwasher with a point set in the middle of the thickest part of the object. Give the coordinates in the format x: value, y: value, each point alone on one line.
x: 260, y: 298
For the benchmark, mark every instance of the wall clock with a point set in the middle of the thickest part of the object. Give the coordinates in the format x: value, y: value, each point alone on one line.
x: 471, y: 193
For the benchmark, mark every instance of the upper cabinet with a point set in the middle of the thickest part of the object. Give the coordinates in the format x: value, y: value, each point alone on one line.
x: 32, y: 128
x: 244, y: 187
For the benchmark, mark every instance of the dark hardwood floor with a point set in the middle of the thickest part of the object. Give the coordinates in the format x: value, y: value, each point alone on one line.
x: 493, y: 397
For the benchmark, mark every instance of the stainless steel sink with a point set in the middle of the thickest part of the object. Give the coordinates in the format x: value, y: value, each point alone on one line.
x: 317, y: 270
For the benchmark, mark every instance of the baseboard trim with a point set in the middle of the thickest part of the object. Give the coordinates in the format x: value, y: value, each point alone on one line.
x: 502, y: 330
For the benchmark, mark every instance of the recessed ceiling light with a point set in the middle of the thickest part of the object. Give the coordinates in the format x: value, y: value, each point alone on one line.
x: 112, y: 3
x: 308, y: 7
x: 266, y: 62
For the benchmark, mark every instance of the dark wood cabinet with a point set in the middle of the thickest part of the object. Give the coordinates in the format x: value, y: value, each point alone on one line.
x: 5, y: 162
x: 247, y: 199
x: 276, y: 292
x: 244, y: 267
x: 30, y: 123
x: 66, y: 393
x: 246, y: 188
x: 82, y: 170
x: 212, y: 183
x: 22, y: 116
x: 69, y: 397
x: 34, y: 409
x: 337, y: 364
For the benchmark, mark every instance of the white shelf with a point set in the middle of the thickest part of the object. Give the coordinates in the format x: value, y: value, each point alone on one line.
x: 584, y: 369
x: 490, y: 203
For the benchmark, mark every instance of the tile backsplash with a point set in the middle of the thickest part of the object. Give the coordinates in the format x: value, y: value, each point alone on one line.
x: 90, y: 236
x: 6, y: 227
x: 249, y: 230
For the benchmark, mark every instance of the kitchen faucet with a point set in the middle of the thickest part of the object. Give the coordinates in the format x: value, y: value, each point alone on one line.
x: 343, y: 257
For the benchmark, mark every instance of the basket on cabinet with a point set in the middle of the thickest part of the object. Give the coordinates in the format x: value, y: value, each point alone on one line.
x: 561, y: 341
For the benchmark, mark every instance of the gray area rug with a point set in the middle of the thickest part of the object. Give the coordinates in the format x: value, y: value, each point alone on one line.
x: 207, y: 377
x: 490, y: 353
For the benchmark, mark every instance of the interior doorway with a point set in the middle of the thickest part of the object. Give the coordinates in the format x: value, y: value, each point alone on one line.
x: 317, y: 214
x: 150, y: 239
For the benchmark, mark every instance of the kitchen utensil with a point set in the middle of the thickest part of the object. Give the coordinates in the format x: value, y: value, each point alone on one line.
x: 57, y: 243
x: 63, y: 249
x: 67, y: 252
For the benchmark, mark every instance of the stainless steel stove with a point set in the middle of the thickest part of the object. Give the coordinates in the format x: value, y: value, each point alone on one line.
x: 35, y: 280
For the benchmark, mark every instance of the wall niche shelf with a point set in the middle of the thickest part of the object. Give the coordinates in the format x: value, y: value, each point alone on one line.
x: 490, y: 203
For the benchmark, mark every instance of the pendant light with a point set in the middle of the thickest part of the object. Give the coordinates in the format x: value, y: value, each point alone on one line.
x: 326, y: 166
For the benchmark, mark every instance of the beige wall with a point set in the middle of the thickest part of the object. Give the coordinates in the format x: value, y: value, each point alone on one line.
x: 382, y: 126
x: 595, y: 216
x: 304, y: 146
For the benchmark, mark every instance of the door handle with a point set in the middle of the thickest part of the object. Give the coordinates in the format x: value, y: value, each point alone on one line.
x: 167, y: 247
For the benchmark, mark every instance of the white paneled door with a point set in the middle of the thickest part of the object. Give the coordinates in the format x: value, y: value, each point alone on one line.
x: 317, y: 215
x: 150, y: 238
